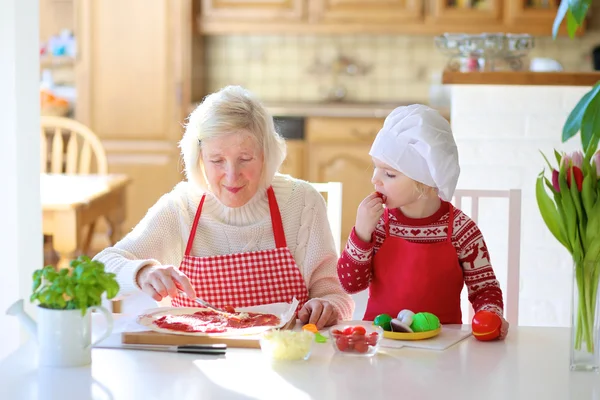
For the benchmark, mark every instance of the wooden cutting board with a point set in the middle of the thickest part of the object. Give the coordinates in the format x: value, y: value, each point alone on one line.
x: 150, y: 337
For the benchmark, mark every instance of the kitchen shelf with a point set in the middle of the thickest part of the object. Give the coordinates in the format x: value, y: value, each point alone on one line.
x: 521, y: 78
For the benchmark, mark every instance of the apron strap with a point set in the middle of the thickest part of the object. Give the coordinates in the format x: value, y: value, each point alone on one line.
x: 280, y: 241
x: 190, y: 242
x: 386, y: 222
x: 450, y: 222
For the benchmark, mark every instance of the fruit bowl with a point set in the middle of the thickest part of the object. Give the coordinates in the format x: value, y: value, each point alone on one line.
x: 356, y: 338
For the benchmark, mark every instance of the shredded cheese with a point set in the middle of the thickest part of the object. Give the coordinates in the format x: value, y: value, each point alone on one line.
x: 287, y: 345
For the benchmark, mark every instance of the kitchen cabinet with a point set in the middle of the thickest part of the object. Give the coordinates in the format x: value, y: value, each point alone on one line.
x: 453, y: 12
x: 255, y: 10
x: 374, y: 11
x: 134, y: 82
x: 338, y: 151
x: 376, y: 16
x: 539, y: 13
x: 294, y: 162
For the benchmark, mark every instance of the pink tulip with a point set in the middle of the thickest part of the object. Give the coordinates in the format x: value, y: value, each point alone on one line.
x: 555, y: 180
x: 577, y: 159
x: 573, y: 163
x: 597, y: 162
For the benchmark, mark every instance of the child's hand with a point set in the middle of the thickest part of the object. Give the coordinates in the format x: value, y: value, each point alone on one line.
x: 503, y: 329
x: 367, y: 216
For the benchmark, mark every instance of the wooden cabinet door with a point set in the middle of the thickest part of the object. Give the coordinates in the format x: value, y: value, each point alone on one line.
x: 533, y: 16
x: 132, y: 82
x: 253, y: 10
x: 476, y: 14
x: 294, y: 162
x: 368, y: 11
x: 349, y: 164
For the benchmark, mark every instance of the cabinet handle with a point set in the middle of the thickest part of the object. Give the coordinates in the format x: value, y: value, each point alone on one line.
x: 364, y: 136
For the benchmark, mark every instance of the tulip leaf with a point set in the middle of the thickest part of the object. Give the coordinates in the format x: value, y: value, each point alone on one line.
x: 590, y: 126
x: 547, y: 162
x: 571, y: 24
x: 574, y: 120
x: 579, y: 9
x: 558, y: 157
x: 560, y: 16
x: 549, y: 211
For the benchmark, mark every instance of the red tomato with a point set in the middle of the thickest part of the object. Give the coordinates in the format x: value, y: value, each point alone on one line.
x: 359, y: 329
x: 342, y: 343
x: 372, y: 338
x: 486, y: 325
x: 357, y: 337
x: 348, y: 331
x: 361, y: 347
x: 336, y: 332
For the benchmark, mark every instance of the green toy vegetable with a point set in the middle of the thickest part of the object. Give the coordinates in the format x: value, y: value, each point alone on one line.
x: 424, y: 321
x: 383, y: 320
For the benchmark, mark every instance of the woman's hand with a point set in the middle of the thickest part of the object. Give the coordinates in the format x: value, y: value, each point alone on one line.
x: 318, y: 312
x: 160, y: 281
x: 368, y: 215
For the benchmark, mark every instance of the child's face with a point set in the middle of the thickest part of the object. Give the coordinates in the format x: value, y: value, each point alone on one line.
x: 399, y: 189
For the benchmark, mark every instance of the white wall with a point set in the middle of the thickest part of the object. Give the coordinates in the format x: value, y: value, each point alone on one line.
x: 500, y: 131
x: 20, y: 210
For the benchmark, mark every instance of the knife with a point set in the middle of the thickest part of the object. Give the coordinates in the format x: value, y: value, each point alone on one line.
x: 210, y: 349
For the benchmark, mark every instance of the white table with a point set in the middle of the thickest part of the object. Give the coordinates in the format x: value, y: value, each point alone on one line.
x: 531, y: 364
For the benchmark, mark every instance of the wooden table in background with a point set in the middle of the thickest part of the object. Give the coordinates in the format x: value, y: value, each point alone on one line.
x: 72, y: 202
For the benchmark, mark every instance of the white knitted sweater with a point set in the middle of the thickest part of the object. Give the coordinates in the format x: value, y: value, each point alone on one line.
x: 161, y: 236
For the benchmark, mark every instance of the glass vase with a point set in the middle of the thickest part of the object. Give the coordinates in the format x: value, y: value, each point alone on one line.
x: 585, y: 328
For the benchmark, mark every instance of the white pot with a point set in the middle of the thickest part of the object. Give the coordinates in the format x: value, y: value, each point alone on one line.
x: 65, y: 336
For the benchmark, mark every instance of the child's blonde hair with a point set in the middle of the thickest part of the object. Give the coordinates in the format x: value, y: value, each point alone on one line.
x: 230, y: 110
x: 424, y: 190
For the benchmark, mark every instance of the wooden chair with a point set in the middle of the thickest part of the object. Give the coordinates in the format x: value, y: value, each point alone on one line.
x: 333, y: 191
x: 69, y: 147
x: 511, y: 286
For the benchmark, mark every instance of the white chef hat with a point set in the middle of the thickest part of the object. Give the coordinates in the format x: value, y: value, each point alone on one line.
x: 417, y: 141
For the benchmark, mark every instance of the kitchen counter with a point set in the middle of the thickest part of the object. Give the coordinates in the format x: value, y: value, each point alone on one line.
x: 521, y: 78
x: 339, y: 110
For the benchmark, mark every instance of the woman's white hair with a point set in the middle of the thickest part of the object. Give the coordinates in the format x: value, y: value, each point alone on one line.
x: 227, y: 111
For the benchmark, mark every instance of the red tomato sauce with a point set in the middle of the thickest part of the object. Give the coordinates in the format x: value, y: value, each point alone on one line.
x: 213, y: 322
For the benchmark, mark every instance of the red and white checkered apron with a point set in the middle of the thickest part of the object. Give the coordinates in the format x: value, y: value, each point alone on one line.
x: 245, y: 279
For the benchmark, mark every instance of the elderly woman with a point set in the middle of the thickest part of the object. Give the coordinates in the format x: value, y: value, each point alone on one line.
x: 236, y: 233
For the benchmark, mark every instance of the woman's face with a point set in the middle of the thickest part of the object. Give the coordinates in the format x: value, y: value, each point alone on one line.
x: 233, y: 165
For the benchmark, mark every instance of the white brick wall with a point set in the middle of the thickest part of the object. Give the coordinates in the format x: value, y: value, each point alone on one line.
x: 499, y: 131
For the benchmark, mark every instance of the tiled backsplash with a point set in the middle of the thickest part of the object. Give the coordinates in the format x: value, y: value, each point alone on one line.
x: 278, y: 68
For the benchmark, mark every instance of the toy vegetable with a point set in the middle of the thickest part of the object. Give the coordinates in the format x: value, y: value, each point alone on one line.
x: 486, y: 325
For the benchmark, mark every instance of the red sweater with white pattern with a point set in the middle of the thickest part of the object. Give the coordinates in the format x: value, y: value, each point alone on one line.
x: 483, y: 287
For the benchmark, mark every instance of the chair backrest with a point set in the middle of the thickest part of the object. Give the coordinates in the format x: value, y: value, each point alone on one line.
x: 511, y: 287
x: 68, y: 147
x: 334, y: 209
